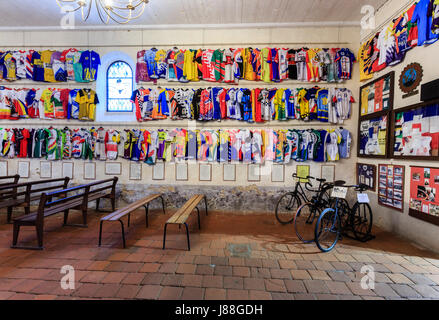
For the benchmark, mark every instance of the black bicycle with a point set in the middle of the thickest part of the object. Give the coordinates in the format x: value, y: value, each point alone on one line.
x: 288, y: 203
x: 340, y: 219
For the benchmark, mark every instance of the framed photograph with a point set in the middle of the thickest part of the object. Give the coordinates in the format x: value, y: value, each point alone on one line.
x: 23, y: 169
x: 89, y: 171
x: 424, y: 197
x: 378, y: 95
x: 391, y: 186
x: 374, y: 136
x: 135, y: 171
x: 278, y: 173
x: 253, y: 173
x: 158, y: 171
x: 302, y: 172
x: 366, y: 174
x: 3, y: 168
x: 205, y: 172
x: 181, y: 172
x: 327, y: 173
x: 229, y: 172
x: 414, y: 132
x: 113, y: 168
x: 67, y: 169
x: 45, y: 169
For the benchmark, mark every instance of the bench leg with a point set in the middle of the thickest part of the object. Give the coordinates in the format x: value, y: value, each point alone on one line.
x: 163, y: 204
x: 84, y: 217
x: 27, y: 210
x: 113, y: 203
x: 100, y: 233
x: 15, y: 235
x: 198, y: 212
x: 9, y: 214
x: 66, y: 216
x: 97, y: 204
x: 205, y: 202
x: 39, y: 229
x: 164, y: 236
x: 187, y: 234
x: 129, y: 218
x: 123, y: 233
x: 146, y: 214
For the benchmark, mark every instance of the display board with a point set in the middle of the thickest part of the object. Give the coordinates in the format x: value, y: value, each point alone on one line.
x: 377, y: 95
x: 424, y: 199
x: 391, y: 186
x: 366, y: 174
x: 415, y: 132
x: 373, y: 136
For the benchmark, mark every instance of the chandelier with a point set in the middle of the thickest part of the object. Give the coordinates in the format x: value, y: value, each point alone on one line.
x: 120, y: 11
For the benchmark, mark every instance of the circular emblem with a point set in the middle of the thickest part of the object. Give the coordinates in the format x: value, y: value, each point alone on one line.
x: 410, y: 78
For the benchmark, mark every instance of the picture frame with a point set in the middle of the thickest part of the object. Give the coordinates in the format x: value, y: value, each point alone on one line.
x: 23, y: 169
x: 113, y: 168
x: 391, y: 186
x: 45, y: 169
x: 253, y: 173
x: 205, y: 172
x: 414, y: 131
x: 3, y: 168
x: 158, y: 171
x: 181, y: 172
x: 229, y: 172
x: 68, y: 169
x: 370, y: 102
x: 278, y: 173
x: 327, y: 172
x: 90, y: 171
x: 424, y: 197
x: 366, y: 174
x: 135, y: 171
x: 302, y: 171
x: 372, y: 147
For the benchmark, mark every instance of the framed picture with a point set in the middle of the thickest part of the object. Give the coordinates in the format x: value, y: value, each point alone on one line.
x: 302, y: 172
x: 374, y: 136
x: 391, y: 186
x: 253, y: 173
x: 327, y: 173
x: 135, y: 171
x: 67, y: 169
x: 278, y: 173
x: 366, y: 174
x: 229, y: 172
x: 23, y: 169
x: 45, y: 169
x: 3, y: 168
x: 113, y: 168
x: 414, y: 132
x: 205, y: 172
x: 424, y: 197
x: 158, y: 171
x: 181, y: 172
x: 89, y: 171
x: 378, y: 95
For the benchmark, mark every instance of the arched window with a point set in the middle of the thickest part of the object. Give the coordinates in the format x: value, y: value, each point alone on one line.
x: 119, y: 87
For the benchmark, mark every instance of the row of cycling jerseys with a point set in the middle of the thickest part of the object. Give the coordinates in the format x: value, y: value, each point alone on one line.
x: 49, y: 65
x: 231, y: 65
x: 250, y: 105
x: 48, y: 103
x: 249, y: 146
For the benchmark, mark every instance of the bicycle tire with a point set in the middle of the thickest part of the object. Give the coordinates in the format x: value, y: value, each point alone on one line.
x: 293, y: 202
x: 361, y: 221
x: 304, y: 222
x: 328, y: 223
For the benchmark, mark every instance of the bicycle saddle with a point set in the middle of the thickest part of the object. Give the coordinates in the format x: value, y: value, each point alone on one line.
x: 362, y: 187
x: 339, y: 183
x: 321, y: 180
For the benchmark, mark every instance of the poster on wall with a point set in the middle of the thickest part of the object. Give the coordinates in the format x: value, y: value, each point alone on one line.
x: 424, y: 198
x: 377, y: 96
x: 391, y: 186
x: 366, y: 174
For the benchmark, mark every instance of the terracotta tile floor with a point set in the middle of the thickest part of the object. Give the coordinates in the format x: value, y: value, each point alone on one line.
x: 231, y: 257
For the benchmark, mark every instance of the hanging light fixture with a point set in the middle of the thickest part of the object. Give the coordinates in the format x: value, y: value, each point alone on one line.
x: 120, y: 11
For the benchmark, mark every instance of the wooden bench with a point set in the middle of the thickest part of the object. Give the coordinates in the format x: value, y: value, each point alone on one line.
x: 181, y: 216
x: 14, y: 179
x: 119, y: 214
x: 79, y: 199
x: 22, y: 194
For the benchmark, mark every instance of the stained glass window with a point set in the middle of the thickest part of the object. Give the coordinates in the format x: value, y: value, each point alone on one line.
x: 119, y: 87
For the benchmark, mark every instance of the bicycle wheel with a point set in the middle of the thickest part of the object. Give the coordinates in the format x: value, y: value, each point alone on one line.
x: 361, y: 221
x: 286, y: 207
x: 327, y: 231
x: 305, y: 221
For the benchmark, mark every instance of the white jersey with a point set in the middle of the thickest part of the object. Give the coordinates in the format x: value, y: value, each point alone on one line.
x: 257, y: 146
x: 20, y: 63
